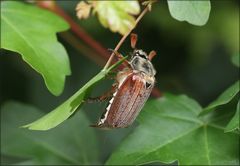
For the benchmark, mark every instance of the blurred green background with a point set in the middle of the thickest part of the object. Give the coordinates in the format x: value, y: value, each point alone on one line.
x: 192, y: 60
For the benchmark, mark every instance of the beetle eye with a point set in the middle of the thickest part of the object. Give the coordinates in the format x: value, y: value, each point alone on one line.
x: 148, y: 85
x: 140, y: 55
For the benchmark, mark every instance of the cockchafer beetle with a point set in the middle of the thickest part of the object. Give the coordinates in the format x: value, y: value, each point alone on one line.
x: 132, y: 88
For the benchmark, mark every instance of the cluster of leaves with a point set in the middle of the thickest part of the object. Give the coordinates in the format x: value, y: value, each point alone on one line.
x: 117, y: 15
x: 49, y: 58
x: 170, y: 128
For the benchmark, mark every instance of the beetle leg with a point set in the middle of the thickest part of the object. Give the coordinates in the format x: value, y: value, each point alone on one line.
x: 96, y: 99
x: 111, y: 75
x: 119, y: 57
x: 103, y: 97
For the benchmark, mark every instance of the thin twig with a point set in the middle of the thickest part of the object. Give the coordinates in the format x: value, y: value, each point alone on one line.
x: 126, y: 35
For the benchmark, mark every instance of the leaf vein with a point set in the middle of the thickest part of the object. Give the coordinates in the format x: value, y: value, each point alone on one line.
x: 168, y: 142
x: 206, y: 145
x: 183, y: 119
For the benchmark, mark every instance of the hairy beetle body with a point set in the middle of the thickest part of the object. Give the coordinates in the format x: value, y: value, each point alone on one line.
x: 134, y: 85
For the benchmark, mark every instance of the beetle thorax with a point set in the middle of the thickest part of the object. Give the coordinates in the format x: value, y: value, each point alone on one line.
x: 140, y: 62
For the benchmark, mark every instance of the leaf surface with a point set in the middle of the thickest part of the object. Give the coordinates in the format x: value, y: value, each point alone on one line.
x: 235, y: 60
x: 31, y: 32
x: 224, y: 98
x: 71, y: 143
x: 234, y: 123
x: 194, y: 12
x: 117, y: 15
x: 170, y: 130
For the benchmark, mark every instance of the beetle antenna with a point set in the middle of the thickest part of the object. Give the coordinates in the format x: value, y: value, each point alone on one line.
x: 151, y: 55
x: 134, y: 39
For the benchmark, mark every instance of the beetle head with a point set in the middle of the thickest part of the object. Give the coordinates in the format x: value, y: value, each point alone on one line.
x: 140, y: 61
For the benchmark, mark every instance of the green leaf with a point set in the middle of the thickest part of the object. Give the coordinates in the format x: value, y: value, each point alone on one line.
x: 73, y: 143
x: 31, y: 32
x: 224, y: 98
x: 66, y: 109
x: 234, y: 123
x: 235, y: 60
x: 116, y: 15
x: 194, y: 12
x: 170, y: 130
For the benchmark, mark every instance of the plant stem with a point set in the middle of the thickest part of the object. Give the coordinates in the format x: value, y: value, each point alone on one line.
x: 126, y: 35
